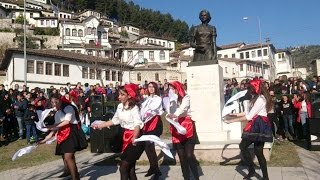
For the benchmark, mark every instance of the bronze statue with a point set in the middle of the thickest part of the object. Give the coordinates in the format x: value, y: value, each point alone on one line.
x: 203, y: 39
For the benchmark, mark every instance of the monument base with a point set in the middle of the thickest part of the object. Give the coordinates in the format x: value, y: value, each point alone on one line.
x: 213, y: 152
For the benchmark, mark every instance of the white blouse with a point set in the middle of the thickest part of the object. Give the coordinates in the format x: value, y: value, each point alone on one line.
x: 258, y: 108
x: 150, y: 107
x: 127, y: 118
x: 69, y: 115
x: 183, y: 109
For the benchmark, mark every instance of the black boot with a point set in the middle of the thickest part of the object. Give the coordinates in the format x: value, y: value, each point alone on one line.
x: 250, y: 174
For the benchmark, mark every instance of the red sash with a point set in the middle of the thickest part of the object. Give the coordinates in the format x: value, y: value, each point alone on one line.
x: 249, y: 125
x: 127, y: 138
x: 186, y: 122
x: 64, y: 132
x: 152, y: 124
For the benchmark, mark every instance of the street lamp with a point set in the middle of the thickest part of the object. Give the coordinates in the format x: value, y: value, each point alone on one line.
x: 24, y: 43
x: 260, y: 36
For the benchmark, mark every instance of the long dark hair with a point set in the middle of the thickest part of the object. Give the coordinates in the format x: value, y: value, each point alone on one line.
x: 132, y: 101
x: 156, y: 88
x: 265, y: 93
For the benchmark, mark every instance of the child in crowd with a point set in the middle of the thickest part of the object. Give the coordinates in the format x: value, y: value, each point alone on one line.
x: 30, y: 117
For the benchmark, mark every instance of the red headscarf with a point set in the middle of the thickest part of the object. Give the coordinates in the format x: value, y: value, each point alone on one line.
x: 131, y: 90
x: 179, y: 87
x: 256, y: 83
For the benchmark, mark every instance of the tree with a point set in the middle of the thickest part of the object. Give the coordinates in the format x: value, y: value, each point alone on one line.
x: 20, y: 19
x: 29, y: 42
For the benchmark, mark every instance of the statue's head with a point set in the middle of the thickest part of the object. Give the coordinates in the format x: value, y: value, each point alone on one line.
x: 204, y: 16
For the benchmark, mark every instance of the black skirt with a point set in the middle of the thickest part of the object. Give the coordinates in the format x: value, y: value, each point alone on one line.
x: 157, y: 131
x: 76, y: 141
x: 132, y: 153
x: 192, y: 140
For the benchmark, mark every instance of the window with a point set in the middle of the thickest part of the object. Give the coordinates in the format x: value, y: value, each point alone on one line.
x: 42, y: 22
x: 74, y: 32
x: 107, y: 75
x: 226, y: 69
x: 39, y: 67
x: 78, y: 51
x: 225, y: 56
x: 140, y: 55
x: 139, y: 77
x: 64, y: 16
x: 98, y: 53
x: 48, y: 68
x: 80, y: 33
x: 233, y: 55
x: 99, y: 74
x: 247, y: 55
x: 31, y: 15
x: 84, y: 73
x: 91, y: 73
x: 53, y: 22
x: 67, y: 32
x: 106, y: 53
x: 169, y: 45
x: 265, y: 52
x: 162, y: 55
x: 30, y: 66
x: 219, y: 55
x: 151, y: 55
x: 99, y: 34
x: 156, y: 77
x: 241, y: 67
x: 60, y: 15
x: 94, y: 31
x: 113, y: 76
x: 90, y: 52
x: 233, y: 71
x: 65, y: 69
x: 119, y: 76
x: 89, y: 30
x: 164, y: 43
x: 57, y: 69
x: 104, y: 35
x: 281, y: 55
x: 259, y: 53
x: 48, y: 23
x: 253, y: 54
x: 130, y: 55
x: 241, y: 56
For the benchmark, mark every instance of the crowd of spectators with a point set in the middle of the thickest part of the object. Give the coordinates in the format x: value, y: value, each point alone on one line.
x: 292, y: 104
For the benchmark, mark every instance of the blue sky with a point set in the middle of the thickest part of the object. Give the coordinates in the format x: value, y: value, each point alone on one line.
x: 285, y: 22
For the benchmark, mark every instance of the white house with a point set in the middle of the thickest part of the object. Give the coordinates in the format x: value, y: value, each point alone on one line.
x: 230, y: 67
x: 38, y: 1
x: 49, y: 67
x: 30, y: 15
x: 64, y: 15
x: 141, y: 54
x: 46, y: 22
x: 10, y: 4
x: 47, y: 13
x: 283, y: 62
x: 230, y: 50
x: 33, y: 5
x: 88, y: 13
x: 251, y: 69
x: 130, y: 29
x: 146, y: 40
x: 87, y: 36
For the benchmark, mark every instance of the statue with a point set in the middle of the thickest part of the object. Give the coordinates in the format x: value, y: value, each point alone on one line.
x: 203, y: 39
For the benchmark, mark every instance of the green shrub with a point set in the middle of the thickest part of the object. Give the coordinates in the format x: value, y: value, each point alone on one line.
x: 46, y: 31
x: 6, y: 30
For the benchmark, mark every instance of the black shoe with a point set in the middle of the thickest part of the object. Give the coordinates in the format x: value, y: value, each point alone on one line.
x: 153, y: 171
x: 250, y: 175
x: 64, y: 174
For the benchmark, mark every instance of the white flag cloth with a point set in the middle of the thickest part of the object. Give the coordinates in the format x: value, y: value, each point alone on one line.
x: 96, y: 122
x: 23, y: 151
x: 180, y: 129
x: 42, y: 116
x: 51, y: 140
x: 155, y: 139
x: 227, y: 109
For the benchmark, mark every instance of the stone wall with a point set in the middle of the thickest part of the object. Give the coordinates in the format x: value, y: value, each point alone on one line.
x: 50, y: 42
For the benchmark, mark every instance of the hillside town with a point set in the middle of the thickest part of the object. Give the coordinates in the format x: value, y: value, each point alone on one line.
x: 100, y: 42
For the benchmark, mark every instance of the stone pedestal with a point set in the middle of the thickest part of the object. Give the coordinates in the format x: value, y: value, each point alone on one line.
x: 205, y: 87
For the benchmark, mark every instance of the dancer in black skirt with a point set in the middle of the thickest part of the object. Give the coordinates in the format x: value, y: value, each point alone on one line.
x: 184, y: 144
x: 128, y: 116
x: 258, y: 129
x: 151, y: 111
x: 70, y: 137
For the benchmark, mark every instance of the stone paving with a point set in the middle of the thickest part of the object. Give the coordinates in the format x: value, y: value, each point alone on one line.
x: 89, y: 170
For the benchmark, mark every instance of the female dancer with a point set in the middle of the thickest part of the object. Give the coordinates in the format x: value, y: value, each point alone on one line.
x: 128, y: 116
x: 184, y: 144
x: 258, y: 130
x: 151, y: 110
x: 70, y: 137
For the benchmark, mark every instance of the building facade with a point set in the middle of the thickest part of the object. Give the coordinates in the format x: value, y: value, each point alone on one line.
x: 283, y: 62
x: 149, y: 40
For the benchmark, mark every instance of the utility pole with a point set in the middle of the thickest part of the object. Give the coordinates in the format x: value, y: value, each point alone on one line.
x: 25, y: 43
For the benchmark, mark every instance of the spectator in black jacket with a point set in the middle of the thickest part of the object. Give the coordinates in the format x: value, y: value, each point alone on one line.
x: 20, y: 107
x: 30, y: 117
x: 287, y: 115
